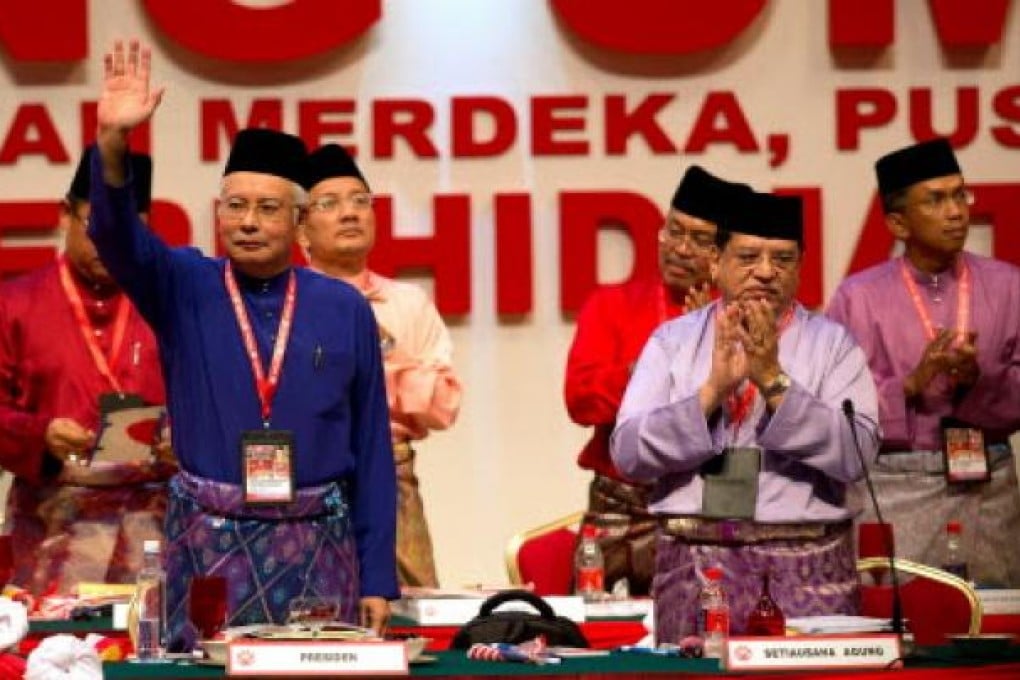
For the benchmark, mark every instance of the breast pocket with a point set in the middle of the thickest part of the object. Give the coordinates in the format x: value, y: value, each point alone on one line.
x: 329, y: 383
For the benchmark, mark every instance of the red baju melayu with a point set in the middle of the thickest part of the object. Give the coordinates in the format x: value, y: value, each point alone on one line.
x: 73, y: 523
x: 612, y: 329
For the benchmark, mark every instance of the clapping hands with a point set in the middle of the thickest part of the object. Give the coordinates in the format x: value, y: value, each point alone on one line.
x: 944, y: 356
x: 746, y: 348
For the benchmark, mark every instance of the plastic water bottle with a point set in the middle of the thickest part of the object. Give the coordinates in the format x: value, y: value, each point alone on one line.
x: 955, y: 559
x: 714, y: 614
x: 150, y: 605
x: 589, y: 565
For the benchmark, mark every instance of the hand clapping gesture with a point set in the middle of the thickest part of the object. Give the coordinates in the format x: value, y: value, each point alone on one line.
x: 729, y: 360
x: 941, y: 357
x: 697, y: 297
x: 759, y: 336
x: 963, y: 365
x: 746, y: 347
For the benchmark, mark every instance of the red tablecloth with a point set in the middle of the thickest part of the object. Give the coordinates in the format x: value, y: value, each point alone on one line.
x: 1001, y: 623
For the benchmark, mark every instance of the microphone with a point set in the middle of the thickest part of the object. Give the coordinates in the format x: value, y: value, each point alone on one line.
x: 897, y: 606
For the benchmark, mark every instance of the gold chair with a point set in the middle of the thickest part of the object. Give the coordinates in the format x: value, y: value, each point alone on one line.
x: 934, y: 602
x: 544, y: 556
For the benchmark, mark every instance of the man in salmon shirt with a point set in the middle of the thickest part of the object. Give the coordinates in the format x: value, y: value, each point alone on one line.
x: 422, y: 390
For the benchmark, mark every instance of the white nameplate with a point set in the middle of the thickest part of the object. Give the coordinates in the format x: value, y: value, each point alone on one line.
x: 999, y: 601
x: 313, y: 657
x: 805, y: 652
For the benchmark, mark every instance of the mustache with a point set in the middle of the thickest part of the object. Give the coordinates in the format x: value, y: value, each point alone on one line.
x: 692, y: 262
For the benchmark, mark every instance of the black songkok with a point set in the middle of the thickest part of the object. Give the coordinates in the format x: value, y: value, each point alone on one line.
x: 912, y: 164
x: 141, y: 178
x: 771, y: 216
x: 331, y: 160
x: 705, y: 196
x: 268, y: 152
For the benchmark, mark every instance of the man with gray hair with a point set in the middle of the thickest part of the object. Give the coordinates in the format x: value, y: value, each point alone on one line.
x: 274, y: 380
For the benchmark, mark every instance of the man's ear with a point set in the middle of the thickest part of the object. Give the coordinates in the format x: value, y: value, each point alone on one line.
x: 302, y: 236
x: 897, y: 225
x: 66, y: 207
x: 67, y: 215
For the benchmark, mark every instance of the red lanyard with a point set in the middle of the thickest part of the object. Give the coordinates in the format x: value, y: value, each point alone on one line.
x: 264, y: 385
x: 103, y: 363
x: 739, y: 401
x: 962, y: 300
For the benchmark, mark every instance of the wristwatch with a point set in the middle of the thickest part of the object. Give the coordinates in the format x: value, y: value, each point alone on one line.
x: 779, y: 384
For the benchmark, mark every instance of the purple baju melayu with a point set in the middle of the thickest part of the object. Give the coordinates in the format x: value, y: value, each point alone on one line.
x: 808, y: 458
x: 877, y: 308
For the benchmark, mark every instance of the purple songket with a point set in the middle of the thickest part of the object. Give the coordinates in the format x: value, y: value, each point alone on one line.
x: 268, y: 554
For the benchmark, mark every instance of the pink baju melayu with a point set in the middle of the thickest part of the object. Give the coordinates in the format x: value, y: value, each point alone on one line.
x: 909, y: 478
x: 423, y: 394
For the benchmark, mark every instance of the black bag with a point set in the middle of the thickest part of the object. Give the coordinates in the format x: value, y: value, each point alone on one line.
x: 517, y: 626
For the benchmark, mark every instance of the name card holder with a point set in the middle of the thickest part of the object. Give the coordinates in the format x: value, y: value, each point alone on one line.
x: 811, y: 652
x: 315, y: 657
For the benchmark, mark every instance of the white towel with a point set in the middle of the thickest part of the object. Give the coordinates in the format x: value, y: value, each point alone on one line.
x: 13, y: 623
x: 64, y: 657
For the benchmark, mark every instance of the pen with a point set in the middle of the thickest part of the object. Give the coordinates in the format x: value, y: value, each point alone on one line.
x: 656, y: 651
x: 512, y: 652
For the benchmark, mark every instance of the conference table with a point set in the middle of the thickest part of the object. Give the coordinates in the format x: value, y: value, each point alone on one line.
x: 938, y: 663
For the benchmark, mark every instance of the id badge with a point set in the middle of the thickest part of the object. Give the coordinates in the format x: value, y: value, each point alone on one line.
x: 730, y: 482
x: 267, y: 464
x: 963, y: 451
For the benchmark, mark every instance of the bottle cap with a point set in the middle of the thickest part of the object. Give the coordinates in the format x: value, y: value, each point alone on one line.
x: 150, y: 546
x: 713, y: 574
x: 954, y: 527
x: 589, y: 531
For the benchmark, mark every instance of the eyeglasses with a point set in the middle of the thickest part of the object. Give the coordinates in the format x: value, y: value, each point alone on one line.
x: 695, y: 240
x: 937, y: 202
x: 782, y: 261
x: 330, y: 203
x: 267, y: 210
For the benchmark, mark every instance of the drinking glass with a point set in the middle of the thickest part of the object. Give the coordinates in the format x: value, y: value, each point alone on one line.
x: 313, y: 612
x: 207, y: 605
x: 6, y: 560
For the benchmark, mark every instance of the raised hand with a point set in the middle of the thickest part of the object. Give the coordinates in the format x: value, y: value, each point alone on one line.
x: 127, y: 99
